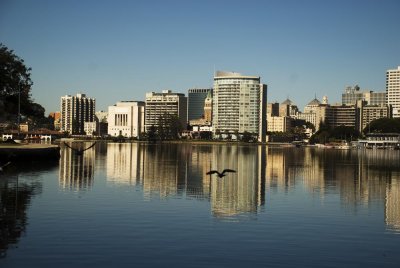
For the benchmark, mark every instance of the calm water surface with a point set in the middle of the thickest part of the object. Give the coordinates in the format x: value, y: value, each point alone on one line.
x: 137, y: 205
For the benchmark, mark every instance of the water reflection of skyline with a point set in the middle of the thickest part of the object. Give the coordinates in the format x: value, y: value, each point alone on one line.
x: 358, y: 177
x: 170, y: 170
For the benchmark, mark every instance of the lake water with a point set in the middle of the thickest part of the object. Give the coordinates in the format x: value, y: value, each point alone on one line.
x: 138, y: 205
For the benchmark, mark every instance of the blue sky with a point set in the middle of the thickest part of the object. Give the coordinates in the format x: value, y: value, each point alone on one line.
x: 119, y: 50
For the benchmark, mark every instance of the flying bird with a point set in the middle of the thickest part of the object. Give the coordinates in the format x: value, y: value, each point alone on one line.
x: 222, y: 174
x: 3, y: 166
x: 79, y: 151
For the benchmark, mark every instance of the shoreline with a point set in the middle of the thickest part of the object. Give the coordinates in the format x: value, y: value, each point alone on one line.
x: 30, y: 151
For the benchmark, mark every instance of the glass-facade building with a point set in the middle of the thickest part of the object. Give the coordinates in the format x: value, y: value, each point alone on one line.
x: 196, y: 98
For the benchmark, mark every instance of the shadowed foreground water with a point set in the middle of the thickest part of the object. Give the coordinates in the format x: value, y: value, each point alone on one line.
x: 138, y: 205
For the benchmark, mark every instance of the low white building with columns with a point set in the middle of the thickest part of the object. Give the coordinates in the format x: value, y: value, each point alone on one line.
x: 126, y: 118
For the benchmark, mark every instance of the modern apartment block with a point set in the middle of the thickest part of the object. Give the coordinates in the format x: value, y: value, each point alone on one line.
x: 239, y: 104
x: 393, y: 90
x: 340, y: 115
x: 196, y: 97
x: 75, y: 111
x: 126, y: 118
x: 353, y: 94
x: 167, y: 102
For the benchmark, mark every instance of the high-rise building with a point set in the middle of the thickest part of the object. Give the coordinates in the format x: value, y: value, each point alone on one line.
x: 393, y: 90
x: 196, y: 97
x: 75, y: 111
x: 160, y: 104
x: 239, y: 104
x: 126, y: 118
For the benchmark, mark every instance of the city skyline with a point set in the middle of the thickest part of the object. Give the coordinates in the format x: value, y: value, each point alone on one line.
x: 120, y: 51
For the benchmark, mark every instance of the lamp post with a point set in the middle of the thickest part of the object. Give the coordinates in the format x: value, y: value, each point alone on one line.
x: 19, y: 109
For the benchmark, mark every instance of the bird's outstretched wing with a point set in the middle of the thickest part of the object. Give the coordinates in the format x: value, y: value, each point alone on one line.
x: 69, y: 146
x: 3, y: 166
x: 212, y: 172
x: 89, y: 147
x: 6, y: 164
x: 229, y: 170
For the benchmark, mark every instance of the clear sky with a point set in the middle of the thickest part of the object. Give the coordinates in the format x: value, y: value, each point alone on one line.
x: 119, y: 50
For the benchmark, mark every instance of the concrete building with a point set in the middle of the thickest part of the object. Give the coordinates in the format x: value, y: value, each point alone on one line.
x: 368, y: 113
x: 196, y: 98
x: 279, y: 123
x: 310, y: 112
x: 239, y: 104
x: 340, y: 115
x: 273, y: 109
x: 90, y: 128
x: 126, y: 118
x: 167, y: 102
x: 288, y: 108
x: 353, y: 94
x: 393, y: 90
x: 75, y: 111
x: 57, y: 119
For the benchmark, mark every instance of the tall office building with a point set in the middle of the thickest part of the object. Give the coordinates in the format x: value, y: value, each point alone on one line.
x: 196, y: 97
x: 353, y: 94
x: 239, y: 104
x: 167, y: 102
x: 126, y: 118
x: 393, y: 90
x: 75, y: 111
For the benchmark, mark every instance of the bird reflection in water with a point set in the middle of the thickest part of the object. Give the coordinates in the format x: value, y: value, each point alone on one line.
x: 79, y: 151
x: 222, y: 174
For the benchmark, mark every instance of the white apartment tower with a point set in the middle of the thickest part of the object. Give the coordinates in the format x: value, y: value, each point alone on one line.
x: 160, y: 104
x: 239, y: 104
x: 126, y: 118
x: 393, y: 90
x: 75, y: 111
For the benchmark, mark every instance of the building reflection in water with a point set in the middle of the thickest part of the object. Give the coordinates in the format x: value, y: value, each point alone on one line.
x: 180, y: 170
x: 242, y: 191
x: 124, y: 162
x: 360, y: 177
x: 77, y: 171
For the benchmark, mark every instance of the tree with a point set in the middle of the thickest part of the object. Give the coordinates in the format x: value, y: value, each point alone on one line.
x: 15, y: 82
x: 15, y: 88
x: 383, y: 125
x: 344, y: 133
x: 169, y: 126
x: 151, y: 134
